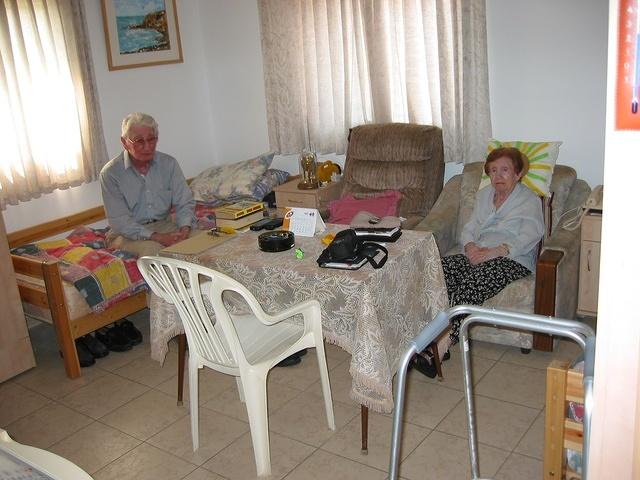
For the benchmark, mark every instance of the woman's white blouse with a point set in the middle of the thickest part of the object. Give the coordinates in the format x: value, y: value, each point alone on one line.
x: 518, y: 223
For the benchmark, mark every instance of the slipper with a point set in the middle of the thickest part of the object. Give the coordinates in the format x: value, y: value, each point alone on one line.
x: 424, y: 367
x: 130, y: 331
x: 114, y: 339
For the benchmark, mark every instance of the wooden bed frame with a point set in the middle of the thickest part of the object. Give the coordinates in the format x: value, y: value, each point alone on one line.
x: 560, y: 433
x: 51, y: 296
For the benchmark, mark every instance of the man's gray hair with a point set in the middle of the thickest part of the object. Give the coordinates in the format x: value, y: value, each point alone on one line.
x: 138, y: 119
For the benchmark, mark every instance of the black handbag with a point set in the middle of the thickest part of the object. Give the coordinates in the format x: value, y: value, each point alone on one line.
x: 348, y: 251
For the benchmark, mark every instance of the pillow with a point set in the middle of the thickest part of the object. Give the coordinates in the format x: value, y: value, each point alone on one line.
x: 230, y: 181
x: 542, y: 159
x: 269, y: 179
x: 345, y: 208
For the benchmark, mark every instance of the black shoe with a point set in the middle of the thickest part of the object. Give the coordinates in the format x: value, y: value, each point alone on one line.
x: 301, y: 353
x: 424, y: 367
x: 114, y: 339
x: 290, y: 361
x: 446, y: 356
x: 84, y: 355
x: 95, y: 346
x: 130, y: 331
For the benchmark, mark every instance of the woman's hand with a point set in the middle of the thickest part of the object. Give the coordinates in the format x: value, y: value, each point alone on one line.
x: 478, y: 255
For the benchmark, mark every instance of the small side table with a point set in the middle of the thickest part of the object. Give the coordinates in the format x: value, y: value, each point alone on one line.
x: 589, y: 264
x: 289, y: 195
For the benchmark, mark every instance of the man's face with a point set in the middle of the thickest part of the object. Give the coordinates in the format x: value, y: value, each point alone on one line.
x: 140, y: 143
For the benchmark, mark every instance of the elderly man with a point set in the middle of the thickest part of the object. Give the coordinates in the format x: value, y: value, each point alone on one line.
x: 139, y: 188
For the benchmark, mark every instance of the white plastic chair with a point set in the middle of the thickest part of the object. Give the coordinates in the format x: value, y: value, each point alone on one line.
x: 43, y: 462
x: 246, y: 346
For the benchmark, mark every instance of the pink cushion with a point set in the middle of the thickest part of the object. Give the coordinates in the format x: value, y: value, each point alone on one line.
x: 344, y: 209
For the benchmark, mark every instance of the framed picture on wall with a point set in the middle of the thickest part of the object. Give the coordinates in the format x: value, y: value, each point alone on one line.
x: 140, y: 33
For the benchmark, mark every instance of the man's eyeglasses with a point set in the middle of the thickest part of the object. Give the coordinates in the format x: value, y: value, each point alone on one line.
x: 141, y: 142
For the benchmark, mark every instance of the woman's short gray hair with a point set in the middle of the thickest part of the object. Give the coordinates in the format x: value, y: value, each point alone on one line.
x: 138, y: 119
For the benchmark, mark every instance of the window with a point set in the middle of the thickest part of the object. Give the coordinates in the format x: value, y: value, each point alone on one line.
x: 50, y: 128
x: 333, y: 64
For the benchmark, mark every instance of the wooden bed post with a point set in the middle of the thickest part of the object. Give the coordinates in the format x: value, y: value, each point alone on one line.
x: 554, y: 419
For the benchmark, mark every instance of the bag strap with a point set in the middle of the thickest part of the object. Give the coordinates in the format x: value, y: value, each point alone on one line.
x: 370, y: 256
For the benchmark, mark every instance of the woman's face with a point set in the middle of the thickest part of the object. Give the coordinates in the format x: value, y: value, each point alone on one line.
x: 503, y: 175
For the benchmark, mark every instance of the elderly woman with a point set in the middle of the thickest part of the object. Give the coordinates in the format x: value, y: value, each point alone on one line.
x: 500, y: 240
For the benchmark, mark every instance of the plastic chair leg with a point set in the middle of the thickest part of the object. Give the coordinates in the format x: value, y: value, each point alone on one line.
x: 240, y: 389
x: 193, y: 404
x: 255, y: 393
x: 324, y: 381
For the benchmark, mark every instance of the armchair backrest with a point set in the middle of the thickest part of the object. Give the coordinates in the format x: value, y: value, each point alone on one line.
x: 396, y: 156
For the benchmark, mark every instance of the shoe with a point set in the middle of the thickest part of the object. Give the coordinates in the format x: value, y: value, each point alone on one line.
x: 131, y: 332
x: 424, y: 367
x: 84, y: 355
x: 114, y: 339
x: 290, y: 361
x: 446, y: 356
x: 301, y: 353
x: 95, y: 346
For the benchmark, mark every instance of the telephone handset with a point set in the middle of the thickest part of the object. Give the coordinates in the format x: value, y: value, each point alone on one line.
x: 594, y: 202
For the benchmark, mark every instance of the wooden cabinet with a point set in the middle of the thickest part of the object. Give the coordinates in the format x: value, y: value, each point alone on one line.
x: 589, y: 264
x: 16, y: 354
x: 289, y: 195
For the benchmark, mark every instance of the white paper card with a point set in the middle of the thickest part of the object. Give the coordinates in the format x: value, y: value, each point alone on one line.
x: 303, y: 221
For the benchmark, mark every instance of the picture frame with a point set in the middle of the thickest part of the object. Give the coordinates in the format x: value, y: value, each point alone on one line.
x: 141, y: 33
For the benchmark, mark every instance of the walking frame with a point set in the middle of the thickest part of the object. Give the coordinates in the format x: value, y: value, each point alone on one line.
x: 577, y: 331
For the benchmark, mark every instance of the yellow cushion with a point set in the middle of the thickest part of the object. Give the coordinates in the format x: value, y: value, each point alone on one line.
x: 542, y: 159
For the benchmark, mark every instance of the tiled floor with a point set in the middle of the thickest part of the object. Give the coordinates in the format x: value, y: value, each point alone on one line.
x: 120, y: 419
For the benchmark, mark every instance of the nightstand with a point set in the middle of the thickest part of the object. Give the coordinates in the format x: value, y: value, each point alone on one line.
x: 589, y: 264
x: 289, y: 195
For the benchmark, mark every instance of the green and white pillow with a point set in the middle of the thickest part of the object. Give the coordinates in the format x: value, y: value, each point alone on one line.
x: 542, y: 160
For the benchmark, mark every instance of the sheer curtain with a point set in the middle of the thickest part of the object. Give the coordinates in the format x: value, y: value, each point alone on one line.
x: 333, y: 64
x: 50, y: 128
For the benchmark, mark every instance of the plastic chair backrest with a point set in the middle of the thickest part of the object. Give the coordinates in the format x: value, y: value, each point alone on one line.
x: 197, y: 294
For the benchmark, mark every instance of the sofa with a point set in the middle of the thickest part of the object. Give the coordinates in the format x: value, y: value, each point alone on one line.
x: 553, y: 289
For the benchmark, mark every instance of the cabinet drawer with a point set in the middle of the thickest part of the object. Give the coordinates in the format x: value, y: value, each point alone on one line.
x: 591, y: 226
x: 589, y: 277
x: 296, y: 199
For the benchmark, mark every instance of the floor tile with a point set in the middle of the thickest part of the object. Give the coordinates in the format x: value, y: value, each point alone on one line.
x: 46, y: 426
x: 237, y: 461
x: 17, y: 401
x: 228, y: 402
x: 335, y: 352
x: 146, y: 415
x: 341, y: 384
x: 532, y: 444
x: 149, y: 372
x: 304, y: 419
x: 94, y: 446
x: 103, y: 395
x: 347, y: 441
x: 499, y: 424
x: 519, y: 467
x: 117, y: 360
x: 446, y: 457
x: 563, y: 350
x: 492, y: 351
x: 514, y: 383
x: 210, y: 384
x: 145, y: 462
x: 202, y: 474
x: 323, y: 465
x: 426, y: 404
x: 452, y: 371
x: 303, y: 375
x: 216, y: 432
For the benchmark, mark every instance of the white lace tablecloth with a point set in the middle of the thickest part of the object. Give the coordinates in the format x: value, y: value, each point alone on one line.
x: 372, y: 314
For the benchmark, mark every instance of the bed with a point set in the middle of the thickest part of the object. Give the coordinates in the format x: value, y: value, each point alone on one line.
x: 563, y: 421
x: 41, y: 287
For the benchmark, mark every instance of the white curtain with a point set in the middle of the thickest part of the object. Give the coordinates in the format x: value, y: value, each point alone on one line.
x: 332, y: 64
x: 50, y: 129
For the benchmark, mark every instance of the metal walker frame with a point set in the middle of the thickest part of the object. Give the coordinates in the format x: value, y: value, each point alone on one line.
x: 582, y: 334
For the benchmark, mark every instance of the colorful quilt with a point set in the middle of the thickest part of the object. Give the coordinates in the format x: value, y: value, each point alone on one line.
x: 102, y: 276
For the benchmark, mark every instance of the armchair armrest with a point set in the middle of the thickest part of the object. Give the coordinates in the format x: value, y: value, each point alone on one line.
x: 443, y: 217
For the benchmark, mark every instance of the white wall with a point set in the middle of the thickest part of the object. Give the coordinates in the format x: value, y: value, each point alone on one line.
x: 547, y: 76
x: 546, y: 72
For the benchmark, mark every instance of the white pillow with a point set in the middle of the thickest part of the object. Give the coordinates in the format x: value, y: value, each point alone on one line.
x: 230, y: 181
x: 542, y: 160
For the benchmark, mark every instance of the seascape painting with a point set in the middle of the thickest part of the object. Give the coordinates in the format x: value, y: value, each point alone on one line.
x: 142, y: 26
x: 141, y: 33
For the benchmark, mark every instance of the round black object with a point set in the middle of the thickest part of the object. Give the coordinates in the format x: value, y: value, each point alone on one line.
x: 276, y: 241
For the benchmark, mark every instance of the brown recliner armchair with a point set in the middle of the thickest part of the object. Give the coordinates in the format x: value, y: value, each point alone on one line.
x: 396, y: 156
x: 553, y: 290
